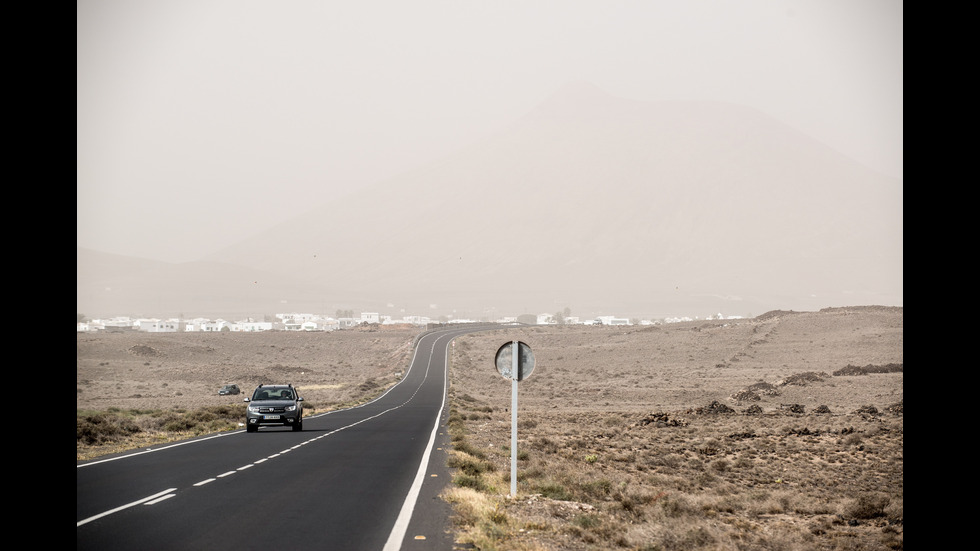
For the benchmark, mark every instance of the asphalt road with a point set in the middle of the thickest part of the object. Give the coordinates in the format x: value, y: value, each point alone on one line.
x: 365, y: 478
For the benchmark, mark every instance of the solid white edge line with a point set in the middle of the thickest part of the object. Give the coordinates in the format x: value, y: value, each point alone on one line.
x: 120, y: 508
x: 154, y: 450
x: 397, y: 535
x: 401, y: 524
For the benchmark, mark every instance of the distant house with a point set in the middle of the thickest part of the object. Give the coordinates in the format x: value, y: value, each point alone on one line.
x: 611, y: 320
x: 195, y: 324
x: 119, y: 324
x: 159, y: 326
x: 217, y: 325
x: 250, y: 326
x: 297, y: 317
x: 370, y: 317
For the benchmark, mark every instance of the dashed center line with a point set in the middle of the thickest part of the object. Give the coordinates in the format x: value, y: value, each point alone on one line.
x: 167, y: 494
x: 159, y: 499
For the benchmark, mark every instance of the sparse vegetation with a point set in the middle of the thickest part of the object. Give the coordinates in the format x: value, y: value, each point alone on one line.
x: 806, y: 466
x: 101, y: 432
x: 632, y: 438
x: 125, y: 402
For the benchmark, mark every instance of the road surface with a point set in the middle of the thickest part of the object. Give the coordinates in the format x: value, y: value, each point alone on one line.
x: 365, y: 478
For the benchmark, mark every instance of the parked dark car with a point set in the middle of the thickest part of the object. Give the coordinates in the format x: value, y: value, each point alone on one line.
x: 229, y: 389
x: 274, y: 405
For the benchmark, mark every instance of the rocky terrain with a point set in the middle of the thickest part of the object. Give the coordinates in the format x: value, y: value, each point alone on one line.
x: 783, y: 431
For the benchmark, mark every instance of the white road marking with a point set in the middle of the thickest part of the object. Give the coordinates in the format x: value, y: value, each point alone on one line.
x: 120, y: 508
x: 401, y: 525
x: 159, y: 499
x: 398, y: 531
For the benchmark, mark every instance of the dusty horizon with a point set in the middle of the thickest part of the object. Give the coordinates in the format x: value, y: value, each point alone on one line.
x: 639, y: 160
x: 200, y: 118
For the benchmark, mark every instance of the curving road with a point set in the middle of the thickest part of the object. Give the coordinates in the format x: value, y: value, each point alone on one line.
x: 361, y: 478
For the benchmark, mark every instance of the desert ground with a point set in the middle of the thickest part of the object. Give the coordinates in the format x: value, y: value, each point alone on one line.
x: 134, y: 370
x: 783, y: 431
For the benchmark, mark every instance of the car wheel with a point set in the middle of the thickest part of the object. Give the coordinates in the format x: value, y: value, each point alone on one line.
x: 298, y: 426
x: 251, y: 428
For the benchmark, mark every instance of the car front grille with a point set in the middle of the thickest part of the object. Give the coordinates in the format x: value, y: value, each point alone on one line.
x: 272, y: 410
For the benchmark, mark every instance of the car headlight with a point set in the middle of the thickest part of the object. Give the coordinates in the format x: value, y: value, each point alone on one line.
x: 290, y: 408
x: 253, y: 409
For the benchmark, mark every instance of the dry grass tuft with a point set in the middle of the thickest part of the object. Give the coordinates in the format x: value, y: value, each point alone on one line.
x: 624, y: 444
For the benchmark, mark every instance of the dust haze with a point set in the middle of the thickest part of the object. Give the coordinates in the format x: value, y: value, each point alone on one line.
x: 249, y: 157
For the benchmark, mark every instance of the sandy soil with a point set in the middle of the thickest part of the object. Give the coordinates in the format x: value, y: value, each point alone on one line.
x: 686, y: 365
x: 133, y: 370
x: 723, y: 435
x: 783, y: 469
x: 642, y: 368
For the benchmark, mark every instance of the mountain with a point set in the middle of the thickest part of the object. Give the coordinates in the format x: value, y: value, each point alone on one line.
x: 604, y: 205
x: 112, y: 285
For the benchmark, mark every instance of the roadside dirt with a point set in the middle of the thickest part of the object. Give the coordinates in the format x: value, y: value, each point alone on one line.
x: 785, y: 431
x: 769, y: 362
x: 133, y: 370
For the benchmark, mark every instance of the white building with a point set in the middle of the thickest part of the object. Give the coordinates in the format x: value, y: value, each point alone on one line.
x: 370, y: 317
x: 250, y: 326
x: 297, y: 316
x: 613, y: 320
x: 159, y: 326
x: 216, y: 325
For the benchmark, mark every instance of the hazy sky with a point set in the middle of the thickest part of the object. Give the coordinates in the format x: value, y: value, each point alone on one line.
x: 201, y: 122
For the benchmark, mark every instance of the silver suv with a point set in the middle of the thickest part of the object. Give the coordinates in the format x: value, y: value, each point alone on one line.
x: 274, y: 405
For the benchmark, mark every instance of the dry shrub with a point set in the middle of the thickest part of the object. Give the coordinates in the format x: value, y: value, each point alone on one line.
x: 468, y: 464
x: 777, y: 478
x: 470, y: 506
x: 870, y: 368
x: 482, y: 521
x: 675, y: 535
x: 554, y: 490
x: 776, y: 502
x: 101, y: 428
x: 866, y: 507
x: 803, y: 379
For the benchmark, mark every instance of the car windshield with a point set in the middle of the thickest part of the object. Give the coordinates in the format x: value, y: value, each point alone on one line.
x: 273, y: 394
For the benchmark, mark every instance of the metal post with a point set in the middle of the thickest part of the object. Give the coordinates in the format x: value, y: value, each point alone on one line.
x: 513, y: 420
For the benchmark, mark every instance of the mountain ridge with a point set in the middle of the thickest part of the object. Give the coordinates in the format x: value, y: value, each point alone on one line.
x: 591, y: 201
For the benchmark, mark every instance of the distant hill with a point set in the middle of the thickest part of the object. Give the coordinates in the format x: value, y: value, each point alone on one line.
x: 602, y: 205
x: 112, y: 285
